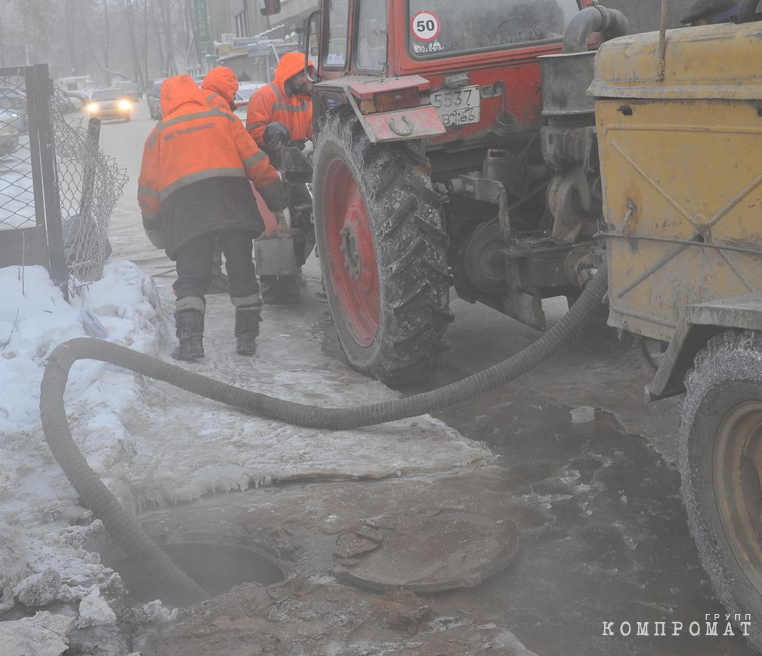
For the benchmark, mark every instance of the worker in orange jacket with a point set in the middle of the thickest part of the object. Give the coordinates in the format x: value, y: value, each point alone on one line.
x: 219, y: 87
x: 193, y: 190
x: 287, y: 100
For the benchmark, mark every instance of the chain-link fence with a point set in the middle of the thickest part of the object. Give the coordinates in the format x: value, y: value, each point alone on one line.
x: 57, y: 190
x: 17, y: 209
x: 90, y: 185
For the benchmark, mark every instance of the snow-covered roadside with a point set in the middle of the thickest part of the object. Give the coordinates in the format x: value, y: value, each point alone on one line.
x: 150, y: 441
x: 44, y: 534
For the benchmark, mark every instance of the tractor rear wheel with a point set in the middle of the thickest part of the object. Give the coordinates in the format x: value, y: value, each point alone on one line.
x: 383, y: 251
x: 720, y: 458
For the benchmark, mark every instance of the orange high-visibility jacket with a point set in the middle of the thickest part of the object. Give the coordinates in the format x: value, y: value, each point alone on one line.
x: 196, y: 162
x: 271, y: 104
x: 219, y: 87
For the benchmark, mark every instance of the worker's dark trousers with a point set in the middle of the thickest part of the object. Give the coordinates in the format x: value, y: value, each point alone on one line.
x: 195, y: 260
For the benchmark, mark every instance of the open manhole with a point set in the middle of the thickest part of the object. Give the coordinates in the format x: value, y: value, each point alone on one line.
x: 216, y: 567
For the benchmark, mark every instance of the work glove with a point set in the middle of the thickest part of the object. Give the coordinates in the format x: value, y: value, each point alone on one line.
x: 283, y: 217
x: 309, y: 148
x: 156, y: 237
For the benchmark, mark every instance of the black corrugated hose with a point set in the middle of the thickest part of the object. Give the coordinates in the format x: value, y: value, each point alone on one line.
x: 125, y: 530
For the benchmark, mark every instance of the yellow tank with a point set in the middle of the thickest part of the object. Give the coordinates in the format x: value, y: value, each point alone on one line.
x: 681, y: 163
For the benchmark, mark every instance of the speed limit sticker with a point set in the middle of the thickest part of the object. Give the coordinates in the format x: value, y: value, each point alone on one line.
x: 425, y: 26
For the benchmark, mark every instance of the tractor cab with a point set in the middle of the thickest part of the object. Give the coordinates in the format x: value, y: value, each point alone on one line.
x: 467, y: 54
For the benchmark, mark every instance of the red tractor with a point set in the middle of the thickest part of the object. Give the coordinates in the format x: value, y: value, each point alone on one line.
x: 436, y: 165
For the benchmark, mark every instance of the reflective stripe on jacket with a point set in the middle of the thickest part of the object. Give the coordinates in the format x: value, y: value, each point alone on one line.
x: 216, y: 101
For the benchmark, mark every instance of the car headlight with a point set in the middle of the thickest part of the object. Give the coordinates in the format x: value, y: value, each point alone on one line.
x: 92, y: 107
x: 125, y: 105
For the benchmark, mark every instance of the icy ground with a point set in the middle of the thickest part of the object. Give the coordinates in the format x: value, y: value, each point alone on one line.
x: 150, y: 442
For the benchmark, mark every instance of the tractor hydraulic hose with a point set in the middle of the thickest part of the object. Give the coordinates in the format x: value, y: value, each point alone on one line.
x: 125, y: 530
x: 610, y: 22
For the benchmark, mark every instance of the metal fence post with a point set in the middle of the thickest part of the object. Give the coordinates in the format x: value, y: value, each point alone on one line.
x: 85, y: 205
x: 43, y: 90
x: 30, y: 81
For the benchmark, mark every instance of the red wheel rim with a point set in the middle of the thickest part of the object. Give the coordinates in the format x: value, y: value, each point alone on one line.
x: 351, y: 253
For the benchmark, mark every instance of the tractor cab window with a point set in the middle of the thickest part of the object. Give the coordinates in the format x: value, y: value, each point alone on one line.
x: 371, y: 36
x: 439, y: 28
x: 336, y: 34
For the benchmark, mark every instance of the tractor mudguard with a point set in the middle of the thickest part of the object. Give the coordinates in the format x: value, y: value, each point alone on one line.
x: 419, y: 122
x: 403, y: 125
x: 698, y: 324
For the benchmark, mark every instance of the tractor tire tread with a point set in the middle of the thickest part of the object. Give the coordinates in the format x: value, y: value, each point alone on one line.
x: 410, y: 204
x: 407, y: 224
x: 728, y: 365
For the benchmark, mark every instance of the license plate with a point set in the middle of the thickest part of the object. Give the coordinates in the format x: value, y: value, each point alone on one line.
x: 458, y: 107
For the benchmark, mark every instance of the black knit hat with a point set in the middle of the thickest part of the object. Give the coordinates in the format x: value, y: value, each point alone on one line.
x: 704, y: 8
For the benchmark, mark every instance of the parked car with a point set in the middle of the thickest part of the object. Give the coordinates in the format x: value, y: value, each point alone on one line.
x: 18, y: 96
x: 67, y: 102
x: 13, y: 114
x: 9, y: 136
x: 152, y: 98
x: 132, y: 90
x: 245, y: 91
x: 82, y: 96
x: 110, y: 103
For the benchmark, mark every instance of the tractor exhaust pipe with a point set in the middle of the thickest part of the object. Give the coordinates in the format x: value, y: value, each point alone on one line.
x: 747, y: 13
x: 610, y: 22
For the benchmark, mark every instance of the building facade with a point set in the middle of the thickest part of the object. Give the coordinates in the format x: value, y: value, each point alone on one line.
x: 238, y: 17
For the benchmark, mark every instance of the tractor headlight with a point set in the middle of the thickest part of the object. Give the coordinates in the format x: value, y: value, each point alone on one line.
x: 92, y: 107
x: 125, y: 105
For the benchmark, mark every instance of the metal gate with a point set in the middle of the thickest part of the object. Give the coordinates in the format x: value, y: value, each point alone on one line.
x: 57, y: 190
x: 30, y: 216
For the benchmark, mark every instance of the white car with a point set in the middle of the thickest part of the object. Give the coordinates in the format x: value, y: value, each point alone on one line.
x: 245, y: 91
x: 110, y: 103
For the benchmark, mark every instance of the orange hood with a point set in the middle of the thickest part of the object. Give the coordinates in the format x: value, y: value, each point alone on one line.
x: 289, y: 65
x: 222, y: 81
x: 177, y: 91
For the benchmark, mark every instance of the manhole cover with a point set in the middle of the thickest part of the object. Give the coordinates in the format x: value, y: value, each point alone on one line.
x: 426, y: 553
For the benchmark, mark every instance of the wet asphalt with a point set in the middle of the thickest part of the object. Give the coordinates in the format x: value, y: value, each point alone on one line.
x: 604, y: 535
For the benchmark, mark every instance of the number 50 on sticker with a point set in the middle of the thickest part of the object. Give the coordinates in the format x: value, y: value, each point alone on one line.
x: 425, y: 26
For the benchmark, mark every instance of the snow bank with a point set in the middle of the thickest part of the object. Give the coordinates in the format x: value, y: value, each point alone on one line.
x: 150, y: 441
x: 43, y: 558
x: 41, y: 635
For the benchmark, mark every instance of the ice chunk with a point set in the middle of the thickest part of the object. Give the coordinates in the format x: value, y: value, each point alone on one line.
x: 41, y: 635
x: 94, y: 610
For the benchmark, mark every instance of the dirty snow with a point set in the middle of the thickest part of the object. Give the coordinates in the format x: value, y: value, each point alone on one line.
x: 149, y: 441
x: 41, y: 635
x: 94, y: 610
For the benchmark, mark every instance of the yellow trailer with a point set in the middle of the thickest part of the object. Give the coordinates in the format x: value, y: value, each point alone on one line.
x: 679, y: 123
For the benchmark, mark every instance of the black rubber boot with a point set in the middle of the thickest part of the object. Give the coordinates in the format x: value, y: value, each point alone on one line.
x: 279, y: 290
x: 247, y: 320
x: 190, y: 332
